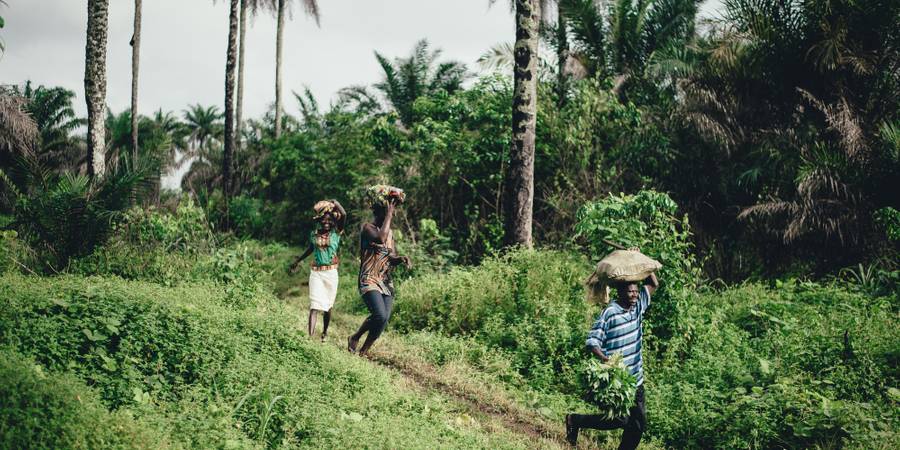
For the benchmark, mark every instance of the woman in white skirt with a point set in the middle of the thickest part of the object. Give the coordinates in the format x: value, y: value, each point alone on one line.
x: 323, y: 244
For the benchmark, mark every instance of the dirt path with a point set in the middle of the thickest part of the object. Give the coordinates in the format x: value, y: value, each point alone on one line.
x: 494, y: 411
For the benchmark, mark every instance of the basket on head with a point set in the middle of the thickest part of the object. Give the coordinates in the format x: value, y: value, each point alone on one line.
x: 380, y: 194
x: 618, y: 266
x: 323, y: 207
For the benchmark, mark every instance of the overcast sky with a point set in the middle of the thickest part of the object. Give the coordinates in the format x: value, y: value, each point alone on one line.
x: 183, y: 46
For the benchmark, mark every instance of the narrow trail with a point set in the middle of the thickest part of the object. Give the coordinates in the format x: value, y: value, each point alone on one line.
x: 496, y: 414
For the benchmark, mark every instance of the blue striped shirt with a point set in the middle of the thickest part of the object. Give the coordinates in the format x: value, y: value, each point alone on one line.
x: 618, y: 330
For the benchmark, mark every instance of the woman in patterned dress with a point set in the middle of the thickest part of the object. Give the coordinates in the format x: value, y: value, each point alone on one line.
x: 378, y: 257
x: 324, y: 242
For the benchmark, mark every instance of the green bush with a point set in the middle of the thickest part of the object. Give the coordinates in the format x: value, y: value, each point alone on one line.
x: 152, y: 245
x: 753, y: 367
x: 794, y: 365
x: 248, y: 217
x: 213, y: 376
x: 528, y: 302
x: 648, y: 220
x: 41, y: 410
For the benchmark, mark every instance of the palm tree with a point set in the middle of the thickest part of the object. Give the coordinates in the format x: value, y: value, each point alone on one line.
x: 520, y: 175
x: 251, y: 8
x: 230, y: 65
x: 406, y: 79
x: 203, y: 126
x: 621, y: 40
x: 312, y: 9
x: 95, y: 84
x: 135, y: 60
x: 18, y: 130
x: 53, y: 113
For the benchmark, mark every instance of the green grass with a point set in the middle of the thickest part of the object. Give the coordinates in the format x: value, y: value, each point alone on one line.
x: 208, y: 375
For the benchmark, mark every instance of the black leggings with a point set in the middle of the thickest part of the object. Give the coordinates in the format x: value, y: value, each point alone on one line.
x: 634, y: 423
x: 380, y: 307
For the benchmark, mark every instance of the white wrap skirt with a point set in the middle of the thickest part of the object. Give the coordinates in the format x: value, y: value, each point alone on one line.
x: 323, y: 286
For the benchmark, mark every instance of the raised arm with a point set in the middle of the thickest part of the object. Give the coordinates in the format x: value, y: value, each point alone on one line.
x: 381, y: 234
x: 342, y: 220
x: 652, y: 283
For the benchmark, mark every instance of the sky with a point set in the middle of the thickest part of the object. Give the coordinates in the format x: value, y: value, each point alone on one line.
x: 183, y: 47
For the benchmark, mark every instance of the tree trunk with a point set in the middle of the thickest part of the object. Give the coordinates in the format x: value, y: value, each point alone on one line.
x: 239, y: 109
x: 562, y: 56
x: 230, y: 65
x: 520, y: 177
x: 279, y: 40
x: 135, y: 62
x: 95, y: 85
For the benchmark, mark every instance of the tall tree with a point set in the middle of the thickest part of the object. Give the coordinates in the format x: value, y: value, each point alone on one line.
x: 248, y: 7
x: 520, y: 176
x: 239, y: 107
x: 562, y: 54
x: 312, y: 9
x: 135, y: 61
x: 95, y: 84
x: 230, y: 66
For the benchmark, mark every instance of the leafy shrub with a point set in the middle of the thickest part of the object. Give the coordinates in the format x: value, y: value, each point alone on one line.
x: 248, y: 217
x: 432, y: 251
x: 648, y: 220
x: 888, y: 219
x: 528, y: 302
x: 744, y: 367
x: 69, y: 217
x: 15, y: 255
x: 215, y: 376
x: 753, y: 367
x: 44, y: 410
x: 152, y: 245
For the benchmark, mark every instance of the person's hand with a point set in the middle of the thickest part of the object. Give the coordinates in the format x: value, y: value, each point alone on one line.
x: 406, y: 261
x: 293, y: 269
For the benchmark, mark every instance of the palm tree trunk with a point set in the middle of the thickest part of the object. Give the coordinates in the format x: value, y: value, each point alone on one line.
x: 520, y: 177
x: 562, y: 56
x: 279, y: 40
x: 239, y: 109
x: 135, y: 61
x: 95, y: 85
x: 230, y: 65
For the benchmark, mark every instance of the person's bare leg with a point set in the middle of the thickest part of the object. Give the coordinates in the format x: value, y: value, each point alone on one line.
x: 353, y: 340
x: 311, y: 328
x: 326, y: 319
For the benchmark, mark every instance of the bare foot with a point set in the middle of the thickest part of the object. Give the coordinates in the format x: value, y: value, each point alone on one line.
x: 351, y: 344
x: 324, y: 336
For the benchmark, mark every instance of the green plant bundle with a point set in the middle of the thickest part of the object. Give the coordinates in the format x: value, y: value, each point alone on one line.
x: 382, y: 193
x: 610, y: 386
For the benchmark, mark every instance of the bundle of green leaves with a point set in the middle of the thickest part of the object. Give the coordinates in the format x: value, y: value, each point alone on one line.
x: 610, y: 386
x: 382, y: 193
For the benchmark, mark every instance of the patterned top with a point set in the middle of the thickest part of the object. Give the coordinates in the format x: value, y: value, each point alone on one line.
x: 618, y: 330
x: 325, y: 247
x: 374, y: 265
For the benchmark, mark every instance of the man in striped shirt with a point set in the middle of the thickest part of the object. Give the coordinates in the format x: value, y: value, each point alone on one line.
x: 618, y: 330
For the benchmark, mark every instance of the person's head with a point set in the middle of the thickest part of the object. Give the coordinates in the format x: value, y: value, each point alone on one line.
x: 326, y: 222
x: 628, y: 293
x: 379, y: 210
